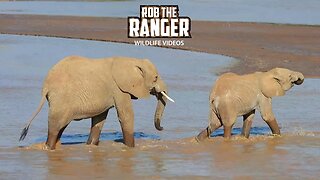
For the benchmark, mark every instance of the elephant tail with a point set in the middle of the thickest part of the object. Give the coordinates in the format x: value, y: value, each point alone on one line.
x: 26, y: 128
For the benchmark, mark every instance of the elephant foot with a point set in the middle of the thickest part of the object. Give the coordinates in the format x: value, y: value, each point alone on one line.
x: 92, y: 142
x: 192, y: 140
x: 203, y: 135
x: 93, y: 138
x: 130, y: 143
x: 245, y: 135
x: 197, y: 139
x: 227, y: 132
x: 47, y: 148
x: 51, y: 143
x: 273, y: 125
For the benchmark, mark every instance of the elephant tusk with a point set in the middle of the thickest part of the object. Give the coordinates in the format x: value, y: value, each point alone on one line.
x: 165, y: 95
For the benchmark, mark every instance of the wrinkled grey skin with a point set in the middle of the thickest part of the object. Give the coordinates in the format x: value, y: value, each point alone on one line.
x: 240, y: 95
x: 77, y: 88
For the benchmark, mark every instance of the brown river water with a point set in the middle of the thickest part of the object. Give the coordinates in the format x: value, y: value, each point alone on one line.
x: 169, y: 154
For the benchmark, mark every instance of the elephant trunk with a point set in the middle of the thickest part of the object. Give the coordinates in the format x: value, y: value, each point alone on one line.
x: 299, y: 78
x: 159, y: 111
x: 299, y: 81
x: 160, y: 91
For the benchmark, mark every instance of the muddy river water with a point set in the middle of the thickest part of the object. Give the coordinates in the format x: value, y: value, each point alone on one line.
x: 171, y: 153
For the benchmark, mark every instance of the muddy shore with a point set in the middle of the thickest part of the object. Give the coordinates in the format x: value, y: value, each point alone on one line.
x: 259, y: 46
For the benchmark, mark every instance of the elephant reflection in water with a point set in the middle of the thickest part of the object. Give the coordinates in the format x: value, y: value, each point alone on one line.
x: 78, y: 88
x: 240, y: 95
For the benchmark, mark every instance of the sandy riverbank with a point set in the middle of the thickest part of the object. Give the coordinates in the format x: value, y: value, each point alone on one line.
x: 259, y: 46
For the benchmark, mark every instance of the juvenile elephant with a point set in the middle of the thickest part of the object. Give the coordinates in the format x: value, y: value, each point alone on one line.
x: 239, y: 95
x: 78, y: 88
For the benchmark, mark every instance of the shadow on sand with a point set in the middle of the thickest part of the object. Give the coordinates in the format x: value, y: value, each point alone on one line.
x: 71, y: 139
x: 237, y: 131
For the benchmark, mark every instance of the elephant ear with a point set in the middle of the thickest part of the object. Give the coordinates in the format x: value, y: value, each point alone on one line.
x: 270, y: 84
x: 129, y: 75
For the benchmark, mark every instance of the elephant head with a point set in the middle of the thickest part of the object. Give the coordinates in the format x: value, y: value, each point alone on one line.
x: 279, y: 80
x: 143, y: 80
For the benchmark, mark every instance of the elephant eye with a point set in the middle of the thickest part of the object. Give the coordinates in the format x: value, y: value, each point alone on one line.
x: 155, y: 79
x: 291, y: 78
x: 278, y: 80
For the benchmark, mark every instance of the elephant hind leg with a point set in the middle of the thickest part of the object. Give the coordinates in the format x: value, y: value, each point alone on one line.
x: 228, y: 115
x: 56, y: 126
x: 96, y: 127
x: 227, y: 131
x: 60, y: 134
x: 247, y: 122
x: 228, y: 123
x: 214, y: 124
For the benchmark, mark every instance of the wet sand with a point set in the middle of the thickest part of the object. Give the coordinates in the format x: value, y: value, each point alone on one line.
x: 259, y: 46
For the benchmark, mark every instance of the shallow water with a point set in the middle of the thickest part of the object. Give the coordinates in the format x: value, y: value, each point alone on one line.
x: 271, y: 11
x: 166, y: 154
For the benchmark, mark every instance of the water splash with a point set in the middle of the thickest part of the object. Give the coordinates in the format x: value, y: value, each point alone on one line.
x: 299, y: 131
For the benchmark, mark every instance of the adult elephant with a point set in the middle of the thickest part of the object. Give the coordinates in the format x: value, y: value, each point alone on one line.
x: 239, y: 95
x: 78, y: 88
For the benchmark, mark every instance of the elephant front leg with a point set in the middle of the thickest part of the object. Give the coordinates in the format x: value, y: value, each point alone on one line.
x: 247, y: 122
x: 96, y: 127
x: 126, y: 116
x: 268, y: 117
x: 273, y: 125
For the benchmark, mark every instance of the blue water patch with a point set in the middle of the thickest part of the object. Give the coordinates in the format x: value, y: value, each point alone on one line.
x: 237, y: 131
x: 69, y: 139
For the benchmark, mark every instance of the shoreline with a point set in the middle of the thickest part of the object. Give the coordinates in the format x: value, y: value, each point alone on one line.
x: 257, y: 46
